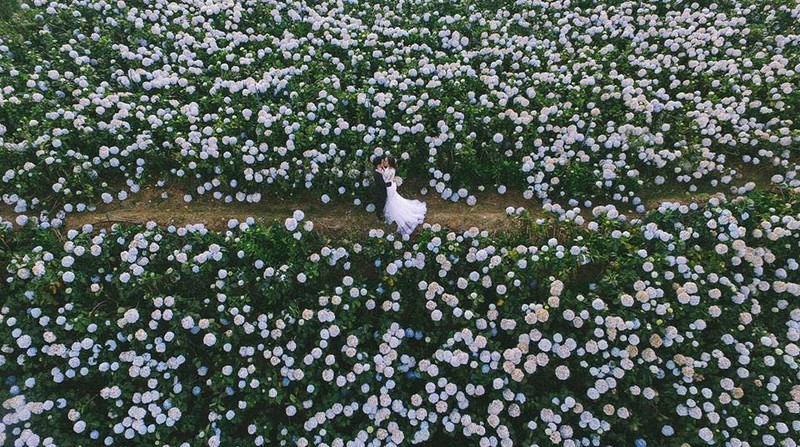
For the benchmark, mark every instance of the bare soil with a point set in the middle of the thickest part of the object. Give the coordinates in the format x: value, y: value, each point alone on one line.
x: 342, y: 218
x: 336, y: 218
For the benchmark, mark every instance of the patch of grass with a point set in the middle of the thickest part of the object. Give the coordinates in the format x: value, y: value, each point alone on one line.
x: 674, y: 191
x: 7, y: 9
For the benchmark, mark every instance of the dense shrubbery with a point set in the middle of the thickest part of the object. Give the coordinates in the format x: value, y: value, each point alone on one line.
x: 679, y: 328
x: 7, y: 9
x: 565, y: 100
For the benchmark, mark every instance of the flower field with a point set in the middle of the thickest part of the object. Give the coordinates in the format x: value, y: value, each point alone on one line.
x: 596, y: 319
x: 678, y: 329
x: 565, y: 100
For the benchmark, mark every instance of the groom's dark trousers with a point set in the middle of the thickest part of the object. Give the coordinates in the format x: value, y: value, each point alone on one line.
x: 380, y: 193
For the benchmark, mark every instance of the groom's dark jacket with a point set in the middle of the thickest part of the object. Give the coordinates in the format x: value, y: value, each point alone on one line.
x: 380, y: 190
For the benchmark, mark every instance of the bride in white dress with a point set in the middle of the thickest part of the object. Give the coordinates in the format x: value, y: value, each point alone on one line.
x: 406, y: 213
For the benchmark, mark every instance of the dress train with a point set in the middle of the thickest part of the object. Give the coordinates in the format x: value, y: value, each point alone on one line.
x: 407, y: 214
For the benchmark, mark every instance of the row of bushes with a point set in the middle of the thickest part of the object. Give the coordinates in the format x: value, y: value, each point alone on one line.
x: 248, y: 100
x: 678, y: 329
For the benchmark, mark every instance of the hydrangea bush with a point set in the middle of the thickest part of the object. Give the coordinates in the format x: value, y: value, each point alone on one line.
x: 680, y: 328
x: 237, y: 100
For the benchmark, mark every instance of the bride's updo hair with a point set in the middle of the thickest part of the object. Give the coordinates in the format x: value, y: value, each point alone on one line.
x: 392, y: 161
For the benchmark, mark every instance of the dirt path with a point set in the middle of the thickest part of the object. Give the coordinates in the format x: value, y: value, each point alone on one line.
x: 335, y: 218
x: 341, y: 218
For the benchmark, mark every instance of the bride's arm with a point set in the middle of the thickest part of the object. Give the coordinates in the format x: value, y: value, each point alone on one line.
x: 388, y: 175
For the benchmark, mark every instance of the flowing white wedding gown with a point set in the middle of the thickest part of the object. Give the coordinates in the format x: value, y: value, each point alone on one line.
x: 406, y: 213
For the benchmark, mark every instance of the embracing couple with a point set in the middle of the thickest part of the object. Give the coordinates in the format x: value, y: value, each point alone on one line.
x: 391, y: 206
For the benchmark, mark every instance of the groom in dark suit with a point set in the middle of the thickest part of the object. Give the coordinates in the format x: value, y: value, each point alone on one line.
x: 380, y: 187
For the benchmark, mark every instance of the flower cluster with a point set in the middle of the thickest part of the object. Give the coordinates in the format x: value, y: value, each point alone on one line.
x: 236, y: 100
x: 676, y: 328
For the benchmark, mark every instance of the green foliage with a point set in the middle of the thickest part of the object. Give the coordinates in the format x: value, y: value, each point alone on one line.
x: 285, y: 307
x: 7, y: 9
x: 456, y: 99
